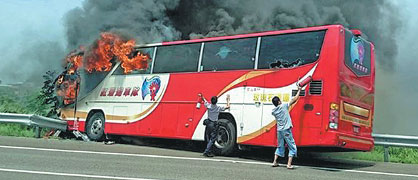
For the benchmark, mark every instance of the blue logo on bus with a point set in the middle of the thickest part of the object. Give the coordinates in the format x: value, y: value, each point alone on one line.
x: 357, y: 54
x: 151, y: 86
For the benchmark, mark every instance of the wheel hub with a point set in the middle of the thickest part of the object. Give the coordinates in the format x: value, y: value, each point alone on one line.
x: 222, y: 138
x: 96, y: 126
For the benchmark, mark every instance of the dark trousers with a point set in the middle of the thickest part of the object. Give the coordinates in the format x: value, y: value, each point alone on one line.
x: 211, y: 132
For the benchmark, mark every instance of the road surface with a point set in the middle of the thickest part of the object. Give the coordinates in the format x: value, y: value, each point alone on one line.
x: 30, y: 158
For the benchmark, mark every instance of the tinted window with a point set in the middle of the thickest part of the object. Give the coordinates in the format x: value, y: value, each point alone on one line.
x: 149, y: 52
x: 357, y: 54
x: 229, y: 55
x: 89, y: 81
x: 177, y: 58
x: 290, y: 50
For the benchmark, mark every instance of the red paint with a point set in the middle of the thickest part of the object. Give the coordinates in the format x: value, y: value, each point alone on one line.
x: 127, y: 91
x: 135, y: 91
x: 111, y: 91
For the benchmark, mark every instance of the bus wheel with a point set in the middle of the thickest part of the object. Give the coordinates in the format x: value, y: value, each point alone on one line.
x: 226, y: 138
x: 95, y: 126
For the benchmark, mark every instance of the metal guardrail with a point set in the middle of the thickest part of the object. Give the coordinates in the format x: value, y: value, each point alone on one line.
x: 387, y: 140
x: 33, y: 120
x: 16, y: 118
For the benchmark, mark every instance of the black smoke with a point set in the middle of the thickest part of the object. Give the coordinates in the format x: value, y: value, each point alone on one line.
x: 145, y: 20
x: 162, y: 20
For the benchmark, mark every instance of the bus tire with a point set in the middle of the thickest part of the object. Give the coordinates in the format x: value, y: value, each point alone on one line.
x: 225, y: 143
x: 95, y: 126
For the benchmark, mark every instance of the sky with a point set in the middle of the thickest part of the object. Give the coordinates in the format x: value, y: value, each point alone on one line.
x: 29, y: 26
x: 31, y: 23
x: 40, y: 19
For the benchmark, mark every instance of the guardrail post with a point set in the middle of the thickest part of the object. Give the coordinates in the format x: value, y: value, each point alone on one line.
x: 37, y: 132
x: 386, y: 155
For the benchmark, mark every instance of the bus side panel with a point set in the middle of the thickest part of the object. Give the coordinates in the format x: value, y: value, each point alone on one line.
x: 279, y: 83
x: 185, y: 120
x: 169, y: 123
x: 307, y: 122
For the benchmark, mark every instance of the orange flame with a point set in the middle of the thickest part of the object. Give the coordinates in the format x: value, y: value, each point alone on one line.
x: 67, y: 89
x: 76, y: 62
x: 111, y: 45
x: 137, y: 62
x: 98, y: 58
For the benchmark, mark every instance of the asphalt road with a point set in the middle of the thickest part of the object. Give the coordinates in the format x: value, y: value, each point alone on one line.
x: 29, y: 158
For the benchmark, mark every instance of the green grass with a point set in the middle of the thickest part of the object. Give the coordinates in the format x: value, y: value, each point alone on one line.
x: 16, y: 130
x: 396, y: 155
x: 26, y: 103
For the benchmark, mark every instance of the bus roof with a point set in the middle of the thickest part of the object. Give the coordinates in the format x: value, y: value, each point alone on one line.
x: 266, y: 33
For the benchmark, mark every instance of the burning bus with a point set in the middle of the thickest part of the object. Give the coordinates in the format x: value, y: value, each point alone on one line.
x: 151, y: 90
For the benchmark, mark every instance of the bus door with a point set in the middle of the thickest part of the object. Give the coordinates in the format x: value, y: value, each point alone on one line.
x: 118, y: 110
x: 252, y: 110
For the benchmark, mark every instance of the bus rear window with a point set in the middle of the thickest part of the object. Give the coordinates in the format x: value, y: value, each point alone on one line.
x: 357, y: 54
x: 290, y: 50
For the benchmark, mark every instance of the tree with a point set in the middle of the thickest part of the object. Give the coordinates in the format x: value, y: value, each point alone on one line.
x: 48, y: 95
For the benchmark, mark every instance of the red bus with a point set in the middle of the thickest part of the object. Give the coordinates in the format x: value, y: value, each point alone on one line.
x: 335, y: 110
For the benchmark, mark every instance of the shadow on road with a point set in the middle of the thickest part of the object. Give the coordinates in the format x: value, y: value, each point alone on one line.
x: 263, y: 154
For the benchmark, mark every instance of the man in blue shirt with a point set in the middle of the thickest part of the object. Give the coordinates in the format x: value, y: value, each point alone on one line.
x: 212, y: 125
x: 284, y: 129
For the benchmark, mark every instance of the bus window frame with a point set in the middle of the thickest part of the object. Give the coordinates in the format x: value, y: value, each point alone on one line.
x: 257, y: 52
x: 153, y: 59
x: 199, y: 64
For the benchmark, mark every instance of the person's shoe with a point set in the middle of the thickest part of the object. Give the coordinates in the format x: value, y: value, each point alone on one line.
x: 109, y: 142
x: 290, y: 167
x: 208, y: 154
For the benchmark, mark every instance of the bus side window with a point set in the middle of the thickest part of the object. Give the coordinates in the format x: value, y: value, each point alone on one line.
x: 149, y: 52
x: 177, y: 58
x: 290, y: 50
x: 229, y: 55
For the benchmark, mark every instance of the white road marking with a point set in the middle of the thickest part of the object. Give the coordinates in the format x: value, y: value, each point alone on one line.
x: 70, y: 174
x: 202, y: 159
x: 366, y: 172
